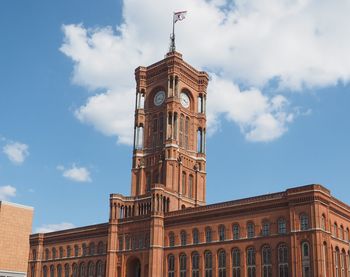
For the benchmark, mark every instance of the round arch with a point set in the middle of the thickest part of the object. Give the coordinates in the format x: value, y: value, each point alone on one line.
x: 133, y: 267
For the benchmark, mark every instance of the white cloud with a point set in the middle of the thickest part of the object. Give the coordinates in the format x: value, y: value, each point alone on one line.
x: 292, y: 43
x: 16, y: 152
x: 260, y: 118
x: 54, y: 227
x: 7, y: 192
x: 77, y: 174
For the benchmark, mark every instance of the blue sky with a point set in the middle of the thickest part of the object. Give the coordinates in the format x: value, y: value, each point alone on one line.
x: 278, y: 110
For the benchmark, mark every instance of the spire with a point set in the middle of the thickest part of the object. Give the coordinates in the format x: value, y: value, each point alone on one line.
x: 177, y: 16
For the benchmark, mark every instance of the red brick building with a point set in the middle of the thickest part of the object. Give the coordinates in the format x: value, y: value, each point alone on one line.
x: 15, y: 228
x: 165, y: 227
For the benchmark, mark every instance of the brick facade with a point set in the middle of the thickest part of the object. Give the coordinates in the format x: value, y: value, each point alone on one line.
x: 165, y: 227
x: 15, y: 228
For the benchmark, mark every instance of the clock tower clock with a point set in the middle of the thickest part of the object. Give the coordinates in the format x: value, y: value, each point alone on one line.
x: 169, y: 133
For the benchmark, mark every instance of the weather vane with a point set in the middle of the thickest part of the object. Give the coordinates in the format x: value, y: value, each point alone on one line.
x: 177, y: 16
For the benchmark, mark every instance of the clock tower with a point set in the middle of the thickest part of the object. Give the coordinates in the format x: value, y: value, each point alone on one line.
x: 169, y: 132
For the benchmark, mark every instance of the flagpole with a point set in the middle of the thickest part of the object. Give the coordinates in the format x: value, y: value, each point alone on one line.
x: 172, y: 43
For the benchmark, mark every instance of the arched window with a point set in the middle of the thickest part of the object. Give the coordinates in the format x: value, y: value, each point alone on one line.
x: 47, y: 254
x: 195, y: 236
x: 171, y: 266
x: 183, y: 182
x: 304, y: 222
x: 235, y: 231
x: 99, y: 269
x: 266, y: 228
x: 282, y: 226
x: 84, y: 247
x: 324, y: 259
x: 82, y: 270
x: 222, y: 263
x: 208, y: 264
x: 92, y: 248
x: 69, y: 250
x: 342, y: 263
x: 250, y: 230
x: 251, y: 267
x: 54, y: 253
x: 76, y: 250
x: 100, y: 248
x: 183, y: 265
x: 171, y: 239
x: 75, y: 270
x: 341, y: 232
x: 195, y: 264
x: 283, y: 260
x: 161, y: 129
x: 59, y: 271
x: 222, y: 231
x: 335, y: 229
x: 187, y: 128
x: 61, y: 252
x: 155, y: 131
x: 91, y: 269
x: 32, y: 271
x: 348, y: 263
x: 52, y: 271
x: 183, y: 237
x: 305, y: 258
x: 34, y: 254
x: 236, y: 263
x: 336, y: 262
x: 208, y: 234
x: 44, y: 271
x: 66, y: 270
x: 190, y: 186
x: 323, y: 222
x: 266, y: 262
x: 346, y: 234
x: 181, y: 131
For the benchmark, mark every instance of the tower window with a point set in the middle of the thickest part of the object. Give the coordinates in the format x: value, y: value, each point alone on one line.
x: 190, y: 186
x: 187, y: 127
x: 183, y: 182
x: 181, y: 131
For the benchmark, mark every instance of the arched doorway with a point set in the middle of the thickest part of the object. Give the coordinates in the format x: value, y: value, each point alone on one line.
x: 133, y: 267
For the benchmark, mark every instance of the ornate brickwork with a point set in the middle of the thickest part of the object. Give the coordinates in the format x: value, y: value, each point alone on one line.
x: 165, y: 227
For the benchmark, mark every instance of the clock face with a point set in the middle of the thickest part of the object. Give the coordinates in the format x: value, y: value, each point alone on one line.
x: 159, y: 98
x: 184, y: 100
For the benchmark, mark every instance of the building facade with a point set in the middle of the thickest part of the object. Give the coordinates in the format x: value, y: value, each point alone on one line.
x: 165, y: 227
x: 15, y: 228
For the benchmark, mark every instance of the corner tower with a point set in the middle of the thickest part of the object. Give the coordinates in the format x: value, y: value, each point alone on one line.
x: 169, y: 134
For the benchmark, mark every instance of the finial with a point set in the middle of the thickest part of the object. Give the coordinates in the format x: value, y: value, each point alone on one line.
x: 177, y: 16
